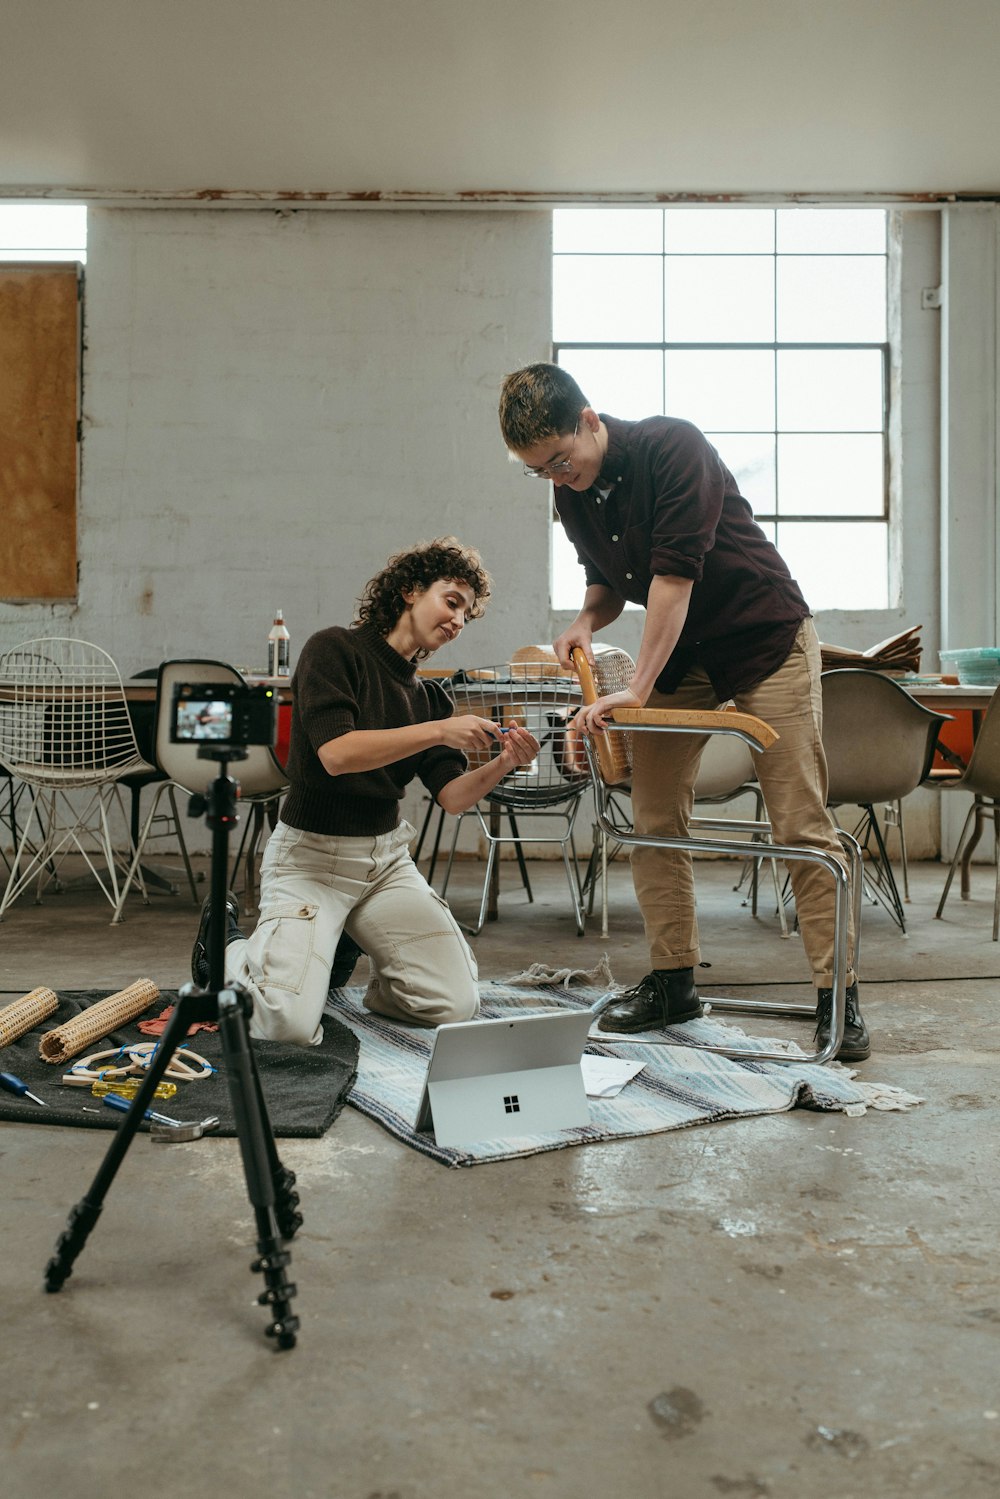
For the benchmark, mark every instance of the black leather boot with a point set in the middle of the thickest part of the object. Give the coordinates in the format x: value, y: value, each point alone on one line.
x: 667, y: 996
x: 856, y: 1045
x: 345, y: 961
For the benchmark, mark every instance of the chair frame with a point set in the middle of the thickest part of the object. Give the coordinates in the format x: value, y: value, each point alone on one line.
x: 983, y: 782
x: 879, y: 879
x: 558, y: 803
x: 601, y: 760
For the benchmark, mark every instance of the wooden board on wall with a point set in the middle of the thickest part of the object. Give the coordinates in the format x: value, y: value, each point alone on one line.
x: 39, y: 402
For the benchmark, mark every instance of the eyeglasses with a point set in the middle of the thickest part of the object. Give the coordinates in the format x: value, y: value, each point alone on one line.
x: 564, y: 464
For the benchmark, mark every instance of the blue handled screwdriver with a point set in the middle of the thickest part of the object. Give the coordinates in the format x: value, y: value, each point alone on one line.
x: 116, y: 1101
x: 14, y: 1085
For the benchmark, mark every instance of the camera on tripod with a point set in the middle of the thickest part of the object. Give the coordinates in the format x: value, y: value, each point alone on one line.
x: 223, y: 714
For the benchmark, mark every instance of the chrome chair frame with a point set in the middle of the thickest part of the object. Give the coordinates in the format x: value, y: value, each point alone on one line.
x: 656, y: 721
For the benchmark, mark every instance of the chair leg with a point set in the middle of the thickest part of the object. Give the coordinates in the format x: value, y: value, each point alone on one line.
x: 518, y: 850
x: 437, y: 845
x: 451, y: 854
x: 139, y: 845
x: 902, y: 849
x: 972, y: 812
x: 182, y: 845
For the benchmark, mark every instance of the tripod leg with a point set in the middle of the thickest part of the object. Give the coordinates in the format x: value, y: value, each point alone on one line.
x: 253, y: 1129
x: 87, y: 1211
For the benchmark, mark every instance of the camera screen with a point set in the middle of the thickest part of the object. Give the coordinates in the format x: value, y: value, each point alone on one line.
x: 204, y: 719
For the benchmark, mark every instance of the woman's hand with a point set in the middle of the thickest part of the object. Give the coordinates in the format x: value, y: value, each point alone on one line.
x: 519, y: 747
x: 594, y: 717
x: 468, y: 733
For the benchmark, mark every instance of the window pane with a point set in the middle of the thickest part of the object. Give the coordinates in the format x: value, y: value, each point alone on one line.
x: 828, y: 231
x: 749, y: 456
x: 719, y: 298
x: 831, y: 298
x: 607, y: 299
x: 830, y: 390
x: 830, y: 475
x: 33, y: 226
x: 722, y: 390
x: 605, y: 230
x: 625, y: 382
x: 838, y: 565
x: 728, y: 231
x: 568, y: 581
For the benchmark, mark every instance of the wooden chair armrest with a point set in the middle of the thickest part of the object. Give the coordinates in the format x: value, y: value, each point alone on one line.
x: 758, y: 734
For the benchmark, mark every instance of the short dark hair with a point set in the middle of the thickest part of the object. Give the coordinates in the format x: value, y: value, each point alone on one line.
x: 539, y: 401
x: 382, y: 603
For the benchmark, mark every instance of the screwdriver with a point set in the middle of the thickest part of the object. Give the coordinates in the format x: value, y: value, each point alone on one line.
x: 14, y: 1085
x: 116, y: 1101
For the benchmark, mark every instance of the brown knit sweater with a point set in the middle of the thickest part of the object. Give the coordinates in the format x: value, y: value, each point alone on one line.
x: 353, y: 679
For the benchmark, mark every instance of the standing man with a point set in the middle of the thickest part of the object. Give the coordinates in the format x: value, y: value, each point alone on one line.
x: 657, y: 519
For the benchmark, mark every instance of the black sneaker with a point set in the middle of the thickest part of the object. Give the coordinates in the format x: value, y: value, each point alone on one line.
x: 667, y: 996
x: 199, y: 953
x: 345, y: 960
x: 856, y: 1045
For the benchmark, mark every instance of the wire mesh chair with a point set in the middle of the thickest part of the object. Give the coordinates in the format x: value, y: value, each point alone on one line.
x: 538, y: 696
x: 65, y: 728
x: 609, y: 759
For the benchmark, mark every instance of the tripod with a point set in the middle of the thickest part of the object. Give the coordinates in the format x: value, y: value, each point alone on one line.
x: 269, y: 1185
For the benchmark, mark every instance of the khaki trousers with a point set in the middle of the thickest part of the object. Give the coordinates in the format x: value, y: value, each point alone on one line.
x: 313, y: 888
x: 793, y: 779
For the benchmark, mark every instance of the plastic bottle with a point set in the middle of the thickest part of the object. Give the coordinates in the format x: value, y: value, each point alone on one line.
x: 278, y: 648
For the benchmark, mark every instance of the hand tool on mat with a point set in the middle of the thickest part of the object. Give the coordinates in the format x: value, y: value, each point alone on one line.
x: 14, y: 1085
x: 128, y: 1087
x: 176, y: 1134
x: 166, y: 1130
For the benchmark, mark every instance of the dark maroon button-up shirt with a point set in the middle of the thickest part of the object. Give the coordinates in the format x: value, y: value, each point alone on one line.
x: 675, y: 510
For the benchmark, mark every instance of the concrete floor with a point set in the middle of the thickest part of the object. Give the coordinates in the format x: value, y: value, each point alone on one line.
x: 796, y: 1304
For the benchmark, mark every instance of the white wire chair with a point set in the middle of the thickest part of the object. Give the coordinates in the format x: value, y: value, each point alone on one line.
x: 541, y: 698
x: 64, y: 729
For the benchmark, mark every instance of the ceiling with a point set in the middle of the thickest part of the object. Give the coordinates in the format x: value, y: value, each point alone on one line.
x: 466, y: 100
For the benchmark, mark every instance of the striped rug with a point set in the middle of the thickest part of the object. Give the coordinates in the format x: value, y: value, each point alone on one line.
x: 680, y: 1085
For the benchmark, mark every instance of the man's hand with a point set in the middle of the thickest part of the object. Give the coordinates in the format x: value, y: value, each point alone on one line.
x: 593, y: 718
x: 577, y: 635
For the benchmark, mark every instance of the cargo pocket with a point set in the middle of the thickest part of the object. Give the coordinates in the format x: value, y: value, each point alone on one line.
x: 288, y: 934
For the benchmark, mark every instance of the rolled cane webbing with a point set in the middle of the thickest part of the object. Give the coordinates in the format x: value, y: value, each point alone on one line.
x: 22, y: 1015
x: 107, y: 1015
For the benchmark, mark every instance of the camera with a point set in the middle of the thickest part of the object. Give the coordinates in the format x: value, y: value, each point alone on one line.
x: 223, y: 714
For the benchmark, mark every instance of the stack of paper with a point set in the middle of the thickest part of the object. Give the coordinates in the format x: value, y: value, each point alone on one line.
x: 900, y: 653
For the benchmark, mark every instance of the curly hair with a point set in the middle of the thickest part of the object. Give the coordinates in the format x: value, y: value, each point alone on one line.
x: 382, y: 602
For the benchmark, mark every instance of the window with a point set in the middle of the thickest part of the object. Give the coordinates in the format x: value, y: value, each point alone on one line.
x: 765, y: 327
x: 43, y: 231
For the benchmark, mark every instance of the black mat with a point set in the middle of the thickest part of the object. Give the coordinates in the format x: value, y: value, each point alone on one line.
x: 305, y: 1087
